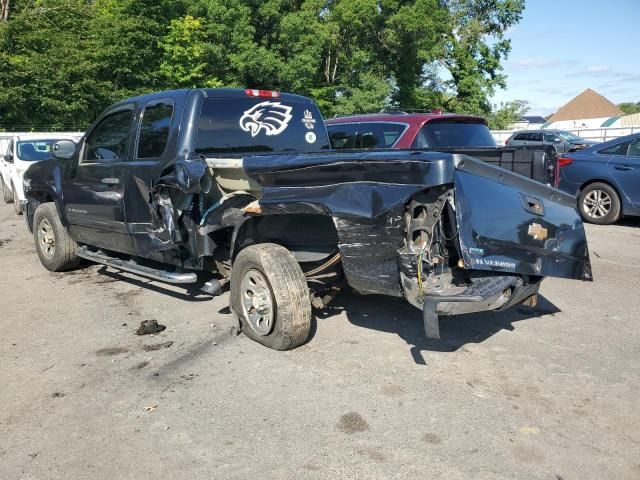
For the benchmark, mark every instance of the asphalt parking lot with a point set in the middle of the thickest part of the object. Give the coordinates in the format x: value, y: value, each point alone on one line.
x: 549, y: 393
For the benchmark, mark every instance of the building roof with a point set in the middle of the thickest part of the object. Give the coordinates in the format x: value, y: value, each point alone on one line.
x: 588, y: 104
x: 533, y: 119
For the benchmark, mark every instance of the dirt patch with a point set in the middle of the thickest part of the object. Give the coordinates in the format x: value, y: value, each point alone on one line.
x: 431, y: 439
x: 109, y: 352
x: 156, y: 346
x: 352, y: 422
x: 139, y: 366
x: 393, y: 390
x: 4, y: 241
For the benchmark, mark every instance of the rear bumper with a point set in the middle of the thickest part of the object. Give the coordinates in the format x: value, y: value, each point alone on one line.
x: 492, y: 292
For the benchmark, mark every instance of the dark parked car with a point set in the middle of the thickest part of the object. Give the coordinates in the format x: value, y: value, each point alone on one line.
x: 563, y: 141
x: 240, y: 187
x: 442, y: 132
x: 605, y: 178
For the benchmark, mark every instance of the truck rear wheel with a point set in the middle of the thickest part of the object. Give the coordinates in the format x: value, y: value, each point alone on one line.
x: 7, y: 196
x: 56, y: 249
x: 269, y: 293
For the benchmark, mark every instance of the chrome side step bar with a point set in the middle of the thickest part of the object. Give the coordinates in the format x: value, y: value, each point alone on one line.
x: 134, y: 267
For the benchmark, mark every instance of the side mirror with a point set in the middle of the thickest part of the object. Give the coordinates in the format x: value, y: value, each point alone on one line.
x: 64, y: 149
x: 8, y: 158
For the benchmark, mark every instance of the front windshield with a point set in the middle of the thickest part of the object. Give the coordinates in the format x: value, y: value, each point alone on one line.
x: 570, y: 137
x: 35, y: 150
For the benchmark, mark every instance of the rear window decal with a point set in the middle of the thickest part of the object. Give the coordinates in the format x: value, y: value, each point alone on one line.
x: 310, y: 137
x: 308, y: 120
x: 272, y: 117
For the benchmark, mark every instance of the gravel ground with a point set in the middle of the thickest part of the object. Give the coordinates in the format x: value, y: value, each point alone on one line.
x: 549, y: 393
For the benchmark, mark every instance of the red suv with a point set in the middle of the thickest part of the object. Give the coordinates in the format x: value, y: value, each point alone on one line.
x: 409, y: 130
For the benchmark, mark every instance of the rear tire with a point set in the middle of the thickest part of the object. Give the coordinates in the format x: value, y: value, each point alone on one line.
x: 599, y: 203
x: 270, y: 296
x: 16, y: 201
x: 56, y: 249
x: 7, y: 196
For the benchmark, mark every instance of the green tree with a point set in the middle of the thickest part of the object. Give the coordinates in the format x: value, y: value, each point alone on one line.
x: 63, y: 61
x: 508, y: 113
x: 629, y: 107
x: 45, y: 77
x: 125, y: 38
x: 184, y: 63
x: 475, y: 47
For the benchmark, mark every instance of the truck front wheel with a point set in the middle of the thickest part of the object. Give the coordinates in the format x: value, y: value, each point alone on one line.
x: 270, y: 295
x: 56, y: 249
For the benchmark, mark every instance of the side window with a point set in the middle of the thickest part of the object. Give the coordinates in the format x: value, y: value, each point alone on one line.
x: 521, y: 136
x: 154, y: 129
x: 550, y: 137
x: 379, y: 135
x: 617, y: 149
x: 535, y: 137
x: 634, y: 148
x: 108, y: 141
x: 342, y: 136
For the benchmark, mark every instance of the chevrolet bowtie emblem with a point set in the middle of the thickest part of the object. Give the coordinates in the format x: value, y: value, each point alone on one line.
x: 538, y: 232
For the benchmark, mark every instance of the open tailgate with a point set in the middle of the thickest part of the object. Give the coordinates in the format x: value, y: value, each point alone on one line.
x: 509, y: 223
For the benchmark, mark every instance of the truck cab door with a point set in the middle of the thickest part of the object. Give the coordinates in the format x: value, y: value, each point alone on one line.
x: 93, y: 192
x: 153, y: 153
x: 625, y: 168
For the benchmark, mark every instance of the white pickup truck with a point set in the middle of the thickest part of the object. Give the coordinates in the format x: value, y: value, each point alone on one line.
x: 21, y: 151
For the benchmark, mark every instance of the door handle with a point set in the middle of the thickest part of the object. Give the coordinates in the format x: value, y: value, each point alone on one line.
x: 110, y: 181
x: 623, y: 167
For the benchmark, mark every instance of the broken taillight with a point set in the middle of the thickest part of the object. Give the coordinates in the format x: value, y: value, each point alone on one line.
x: 562, y: 162
x: 251, y: 92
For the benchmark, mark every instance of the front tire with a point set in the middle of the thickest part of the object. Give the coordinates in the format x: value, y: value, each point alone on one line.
x: 599, y: 203
x: 16, y: 201
x: 7, y: 196
x: 56, y: 249
x: 270, y: 296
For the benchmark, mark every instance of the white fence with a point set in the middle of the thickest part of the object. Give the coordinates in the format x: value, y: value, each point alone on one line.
x: 597, y: 134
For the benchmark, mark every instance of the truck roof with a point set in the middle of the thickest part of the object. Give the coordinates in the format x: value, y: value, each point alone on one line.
x: 212, y: 93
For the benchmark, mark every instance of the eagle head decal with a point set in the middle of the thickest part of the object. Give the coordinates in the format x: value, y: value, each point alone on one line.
x: 272, y: 117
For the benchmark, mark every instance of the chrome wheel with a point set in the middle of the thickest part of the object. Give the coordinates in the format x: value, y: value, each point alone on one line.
x: 46, y: 238
x: 596, y: 204
x: 257, y: 302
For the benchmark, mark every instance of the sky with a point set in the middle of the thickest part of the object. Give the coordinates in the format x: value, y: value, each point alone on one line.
x: 563, y: 47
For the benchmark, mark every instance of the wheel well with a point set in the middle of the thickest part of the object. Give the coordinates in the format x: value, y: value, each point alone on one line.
x: 307, y: 236
x: 590, y: 182
x: 35, y: 198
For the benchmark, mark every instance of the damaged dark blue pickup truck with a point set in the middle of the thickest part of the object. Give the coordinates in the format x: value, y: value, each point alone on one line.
x: 241, y: 185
